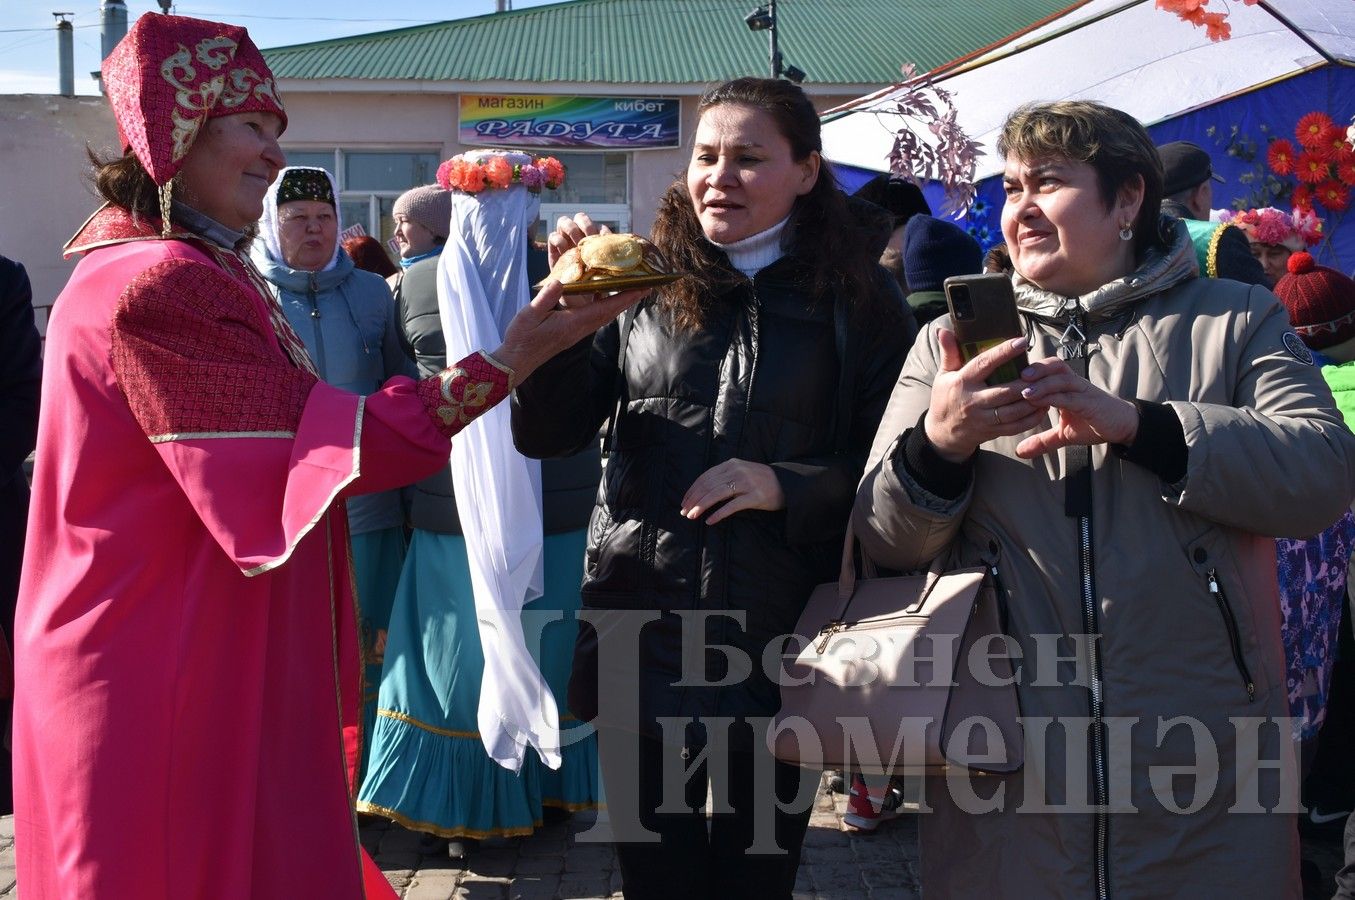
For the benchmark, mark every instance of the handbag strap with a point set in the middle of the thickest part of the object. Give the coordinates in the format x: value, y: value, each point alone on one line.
x: 846, y: 582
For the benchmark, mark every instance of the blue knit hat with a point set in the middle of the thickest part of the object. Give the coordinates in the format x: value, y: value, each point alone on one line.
x: 934, y: 250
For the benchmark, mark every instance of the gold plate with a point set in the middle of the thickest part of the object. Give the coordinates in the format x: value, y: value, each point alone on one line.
x: 619, y: 283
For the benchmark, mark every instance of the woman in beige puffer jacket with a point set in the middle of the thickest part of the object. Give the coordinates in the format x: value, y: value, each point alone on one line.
x: 1128, y: 486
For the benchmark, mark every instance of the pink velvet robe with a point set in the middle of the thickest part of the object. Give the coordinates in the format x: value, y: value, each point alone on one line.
x: 186, y: 660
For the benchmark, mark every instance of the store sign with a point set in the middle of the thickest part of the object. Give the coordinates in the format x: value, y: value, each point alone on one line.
x: 539, y: 120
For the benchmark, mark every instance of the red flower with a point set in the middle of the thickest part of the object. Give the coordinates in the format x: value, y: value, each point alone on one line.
x: 498, y: 172
x: 554, y: 171
x: 1334, y: 195
x: 1280, y: 157
x: 1302, y: 198
x: 1345, y: 169
x: 1217, y: 27
x: 1334, y: 140
x: 444, y: 176
x: 1311, y: 167
x: 467, y: 177
x: 1180, y: 6
x: 1312, y: 129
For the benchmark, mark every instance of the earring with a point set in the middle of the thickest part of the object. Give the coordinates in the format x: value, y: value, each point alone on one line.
x: 1126, y: 233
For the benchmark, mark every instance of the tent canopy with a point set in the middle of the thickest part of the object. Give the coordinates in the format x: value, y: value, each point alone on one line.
x: 1284, y: 58
x: 1127, y: 54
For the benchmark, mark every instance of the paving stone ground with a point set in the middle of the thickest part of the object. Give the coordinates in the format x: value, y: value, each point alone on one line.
x: 559, y: 863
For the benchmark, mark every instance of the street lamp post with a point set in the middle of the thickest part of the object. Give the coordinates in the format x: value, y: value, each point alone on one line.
x: 764, y: 19
x: 776, y: 54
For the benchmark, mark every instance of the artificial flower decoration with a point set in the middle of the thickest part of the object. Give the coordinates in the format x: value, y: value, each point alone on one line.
x: 1333, y: 194
x: 1345, y: 168
x: 1323, y: 163
x: 1280, y: 157
x: 1216, y: 26
x: 1311, y: 167
x: 1309, y: 226
x: 1334, y: 142
x: 1269, y: 225
x: 498, y: 172
x: 1214, y: 23
x: 472, y: 172
x: 1312, y: 129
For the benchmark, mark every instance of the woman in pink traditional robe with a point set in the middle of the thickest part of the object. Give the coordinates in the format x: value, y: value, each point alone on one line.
x: 186, y: 657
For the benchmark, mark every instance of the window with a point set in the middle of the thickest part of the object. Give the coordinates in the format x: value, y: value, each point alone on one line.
x: 591, y: 178
x: 595, y: 183
x: 371, y: 180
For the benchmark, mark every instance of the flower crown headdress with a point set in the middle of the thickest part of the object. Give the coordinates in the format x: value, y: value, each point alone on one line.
x: 472, y: 172
x: 1269, y: 225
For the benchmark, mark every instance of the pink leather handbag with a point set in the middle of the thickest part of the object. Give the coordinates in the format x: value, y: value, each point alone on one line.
x: 905, y: 674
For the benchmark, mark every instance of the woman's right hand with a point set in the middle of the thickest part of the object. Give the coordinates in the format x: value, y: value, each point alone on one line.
x: 568, y: 232
x: 965, y: 412
x: 545, y: 327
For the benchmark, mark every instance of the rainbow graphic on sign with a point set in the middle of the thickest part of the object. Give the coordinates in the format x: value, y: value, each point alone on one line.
x: 541, y: 120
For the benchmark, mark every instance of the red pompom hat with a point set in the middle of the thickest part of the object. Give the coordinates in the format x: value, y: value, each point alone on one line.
x: 1321, y: 302
x: 170, y: 74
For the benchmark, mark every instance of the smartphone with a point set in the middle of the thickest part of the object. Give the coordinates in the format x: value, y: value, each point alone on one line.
x: 983, y: 315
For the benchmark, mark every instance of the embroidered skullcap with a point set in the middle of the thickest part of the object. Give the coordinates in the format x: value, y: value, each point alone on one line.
x: 1321, y: 302
x: 172, y: 73
x: 429, y: 206
x: 305, y: 183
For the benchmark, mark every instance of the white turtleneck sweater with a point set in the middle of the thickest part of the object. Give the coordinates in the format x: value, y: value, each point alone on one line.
x: 753, y: 254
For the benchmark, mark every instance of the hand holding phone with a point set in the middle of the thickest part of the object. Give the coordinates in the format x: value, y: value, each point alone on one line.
x: 983, y: 314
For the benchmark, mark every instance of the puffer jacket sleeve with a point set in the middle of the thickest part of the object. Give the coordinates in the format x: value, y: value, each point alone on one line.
x: 898, y: 522
x: 819, y: 490
x: 558, y: 410
x: 394, y: 359
x: 1280, y: 461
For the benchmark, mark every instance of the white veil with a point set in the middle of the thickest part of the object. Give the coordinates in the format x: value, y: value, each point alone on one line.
x: 482, y: 283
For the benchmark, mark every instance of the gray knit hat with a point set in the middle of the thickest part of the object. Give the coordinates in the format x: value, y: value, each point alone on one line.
x: 430, y: 206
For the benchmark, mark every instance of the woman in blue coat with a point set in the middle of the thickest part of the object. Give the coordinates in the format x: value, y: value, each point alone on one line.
x: 346, y: 318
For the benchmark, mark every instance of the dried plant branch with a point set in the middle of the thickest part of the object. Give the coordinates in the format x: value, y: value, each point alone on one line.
x: 949, y: 157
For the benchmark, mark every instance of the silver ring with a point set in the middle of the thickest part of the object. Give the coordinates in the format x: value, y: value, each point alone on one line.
x: 733, y: 488
x: 996, y: 416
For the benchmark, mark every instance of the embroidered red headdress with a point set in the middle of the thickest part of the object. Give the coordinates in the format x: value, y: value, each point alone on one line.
x: 172, y: 73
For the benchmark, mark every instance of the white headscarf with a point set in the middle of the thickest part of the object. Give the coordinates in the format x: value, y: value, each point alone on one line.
x: 268, y: 223
x: 482, y: 283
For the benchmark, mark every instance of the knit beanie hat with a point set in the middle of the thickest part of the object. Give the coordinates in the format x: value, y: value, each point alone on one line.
x: 1321, y: 302
x: 429, y: 206
x: 934, y: 250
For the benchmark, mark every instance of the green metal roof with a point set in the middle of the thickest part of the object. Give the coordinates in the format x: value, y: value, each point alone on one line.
x: 670, y: 42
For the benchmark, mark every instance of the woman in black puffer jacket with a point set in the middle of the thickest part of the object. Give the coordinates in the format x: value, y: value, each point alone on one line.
x: 747, y: 395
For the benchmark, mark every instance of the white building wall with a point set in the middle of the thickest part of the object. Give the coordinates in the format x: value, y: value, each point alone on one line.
x: 45, y: 194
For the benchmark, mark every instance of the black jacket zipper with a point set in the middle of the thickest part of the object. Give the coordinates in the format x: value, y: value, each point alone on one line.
x: 1234, y: 635
x: 1074, y: 347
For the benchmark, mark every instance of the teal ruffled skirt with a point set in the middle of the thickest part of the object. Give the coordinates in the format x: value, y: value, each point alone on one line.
x: 428, y: 768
